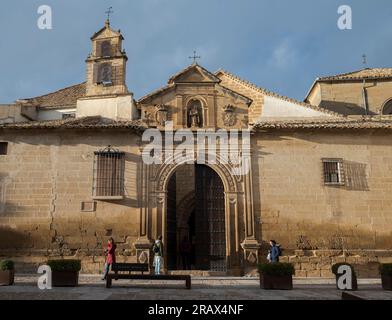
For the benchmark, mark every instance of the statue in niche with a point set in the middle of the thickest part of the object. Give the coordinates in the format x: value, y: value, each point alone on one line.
x: 194, y: 115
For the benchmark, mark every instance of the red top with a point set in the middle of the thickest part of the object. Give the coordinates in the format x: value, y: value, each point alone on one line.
x: 111, y: 253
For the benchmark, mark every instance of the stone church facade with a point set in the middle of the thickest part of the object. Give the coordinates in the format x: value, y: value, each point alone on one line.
x: 72, y: 171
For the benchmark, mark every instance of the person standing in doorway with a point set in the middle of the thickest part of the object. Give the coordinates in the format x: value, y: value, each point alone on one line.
x: 157, y: 248
x: 110, y: 256
x: 185, y: 252
x: 273, y: 252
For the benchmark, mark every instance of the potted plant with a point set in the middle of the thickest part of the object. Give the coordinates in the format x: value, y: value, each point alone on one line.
x: 276, y: 275
x: 354, y: 282
x: 7, y: 273
x: 65, y: 273
x: 386, y: 275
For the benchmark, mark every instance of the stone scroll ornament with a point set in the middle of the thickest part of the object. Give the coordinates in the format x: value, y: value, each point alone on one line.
x: 161, y: 114
x: 229, y: 116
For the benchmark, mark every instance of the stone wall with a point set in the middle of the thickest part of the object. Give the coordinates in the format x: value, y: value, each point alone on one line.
x: 349, y: 94
x: 257, y: 97
x: 317, y: 263
x: 295, y: 208
x: 45, y: 178
x: 10, y: 113
x: 48, y: 174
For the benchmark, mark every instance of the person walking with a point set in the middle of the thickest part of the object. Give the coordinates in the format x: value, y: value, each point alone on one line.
x: 274, y: 252
x: 158, y: 255
x: 110, y: 256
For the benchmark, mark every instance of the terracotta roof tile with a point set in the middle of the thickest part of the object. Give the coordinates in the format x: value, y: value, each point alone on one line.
x: 359, y: 123
x: 367, y: 73
x: 65, y: 97
x: 94, y: 122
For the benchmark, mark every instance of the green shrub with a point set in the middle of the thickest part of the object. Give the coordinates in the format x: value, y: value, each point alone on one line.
x: 336, y: 266
x: 6, y: 265
x: 64, y: 265
x: 276, y: 269
x: 386, y: 269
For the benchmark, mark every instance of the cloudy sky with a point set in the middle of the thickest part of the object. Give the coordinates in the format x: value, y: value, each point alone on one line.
x: 281, y: 45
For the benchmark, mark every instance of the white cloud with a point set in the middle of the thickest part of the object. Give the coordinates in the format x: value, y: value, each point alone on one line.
x: 283, y: 56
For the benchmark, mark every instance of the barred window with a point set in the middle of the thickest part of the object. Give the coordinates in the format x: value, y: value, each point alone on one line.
x: 108, y: 174
x: 333, y: 171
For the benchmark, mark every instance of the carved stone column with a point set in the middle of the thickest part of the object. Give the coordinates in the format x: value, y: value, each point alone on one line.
x: 143, y: 243
x: 250, y: 245
x: 233, y: 248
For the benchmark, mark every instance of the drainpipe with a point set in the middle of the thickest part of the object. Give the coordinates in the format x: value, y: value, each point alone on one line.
x: 365, y: 105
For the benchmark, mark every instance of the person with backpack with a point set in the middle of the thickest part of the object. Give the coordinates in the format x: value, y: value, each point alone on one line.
x: 157, y: 249
x: 274, y: 252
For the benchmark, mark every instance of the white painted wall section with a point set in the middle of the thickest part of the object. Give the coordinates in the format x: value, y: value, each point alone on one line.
x: 116, y: 108
x: 275, y: 108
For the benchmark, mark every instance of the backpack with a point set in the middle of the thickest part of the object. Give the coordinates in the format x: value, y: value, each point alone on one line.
x: 280, y: 250
x: 156, y: 248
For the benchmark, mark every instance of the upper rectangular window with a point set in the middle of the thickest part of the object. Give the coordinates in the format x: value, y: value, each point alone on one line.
x: 109, y: 167
x: 3, y: 148
x: 104, y: 48
x: 333, y: 171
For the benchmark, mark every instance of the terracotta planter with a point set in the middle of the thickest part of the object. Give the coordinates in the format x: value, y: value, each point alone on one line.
x: 7, y: 277
x: 386, y: 281
x: 354, y: 283
x: 276, y: 282
x: 65, y: 278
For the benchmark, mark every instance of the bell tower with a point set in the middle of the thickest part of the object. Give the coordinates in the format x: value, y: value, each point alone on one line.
x: 106, y: 64
x: 107, y: 94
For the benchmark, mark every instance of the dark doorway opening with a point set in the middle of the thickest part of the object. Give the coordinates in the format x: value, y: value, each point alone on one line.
x: 202, y: 225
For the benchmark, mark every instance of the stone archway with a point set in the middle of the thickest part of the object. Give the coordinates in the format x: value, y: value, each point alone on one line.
x: 241, y: 245
x: 197, y: 217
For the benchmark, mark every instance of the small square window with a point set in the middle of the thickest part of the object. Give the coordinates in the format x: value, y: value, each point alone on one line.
x: 333, y: 171
x: 3, y: 148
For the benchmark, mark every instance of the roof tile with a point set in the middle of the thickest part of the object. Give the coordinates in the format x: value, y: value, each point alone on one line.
x: 65, y: 97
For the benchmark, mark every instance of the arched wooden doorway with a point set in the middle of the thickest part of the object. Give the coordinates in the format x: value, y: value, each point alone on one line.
x: 203, y: 225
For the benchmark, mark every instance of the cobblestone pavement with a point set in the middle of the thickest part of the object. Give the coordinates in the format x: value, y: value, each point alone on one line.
x: 203, y: 288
